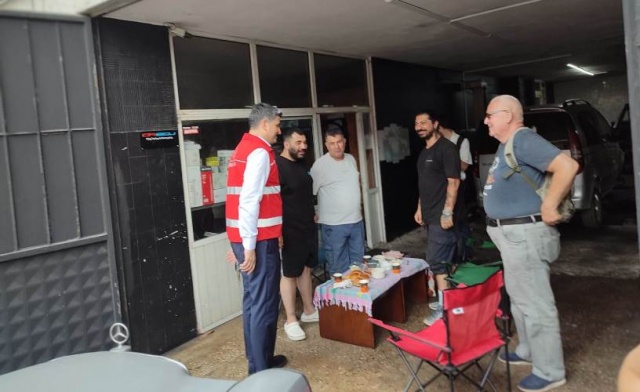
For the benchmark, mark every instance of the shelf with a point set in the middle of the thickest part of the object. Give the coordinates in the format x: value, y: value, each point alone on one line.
x: 210, y: 240
x: 208, y: 206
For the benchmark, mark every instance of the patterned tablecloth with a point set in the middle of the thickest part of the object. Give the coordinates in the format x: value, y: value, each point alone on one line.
x: 351, y: 298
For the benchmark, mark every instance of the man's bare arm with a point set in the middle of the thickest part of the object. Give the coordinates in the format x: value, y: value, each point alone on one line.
x: 564, y: 169
x: 418, y: 215
x: 452, y: 193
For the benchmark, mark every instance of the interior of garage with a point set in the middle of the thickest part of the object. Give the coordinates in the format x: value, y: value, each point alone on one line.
x: 451, y: 56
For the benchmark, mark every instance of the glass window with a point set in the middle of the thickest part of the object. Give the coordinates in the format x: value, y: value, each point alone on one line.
x: 589, y: 125
x: 604, y: 128
x: 486, y: 143
x: 554, y: 127
x: 345, y: 122
x: 213, y: 74
x: 305, y: 125
x: 340, y: 81
x: 208, y: 145
x: 284, y: 77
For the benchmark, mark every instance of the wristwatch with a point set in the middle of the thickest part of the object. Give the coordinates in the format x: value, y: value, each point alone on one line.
x: 447, y: 213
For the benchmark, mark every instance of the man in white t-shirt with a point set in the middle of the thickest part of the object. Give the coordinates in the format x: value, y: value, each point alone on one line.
x: 465, y: 150
x: 336, y: 181
x: 462, y: 228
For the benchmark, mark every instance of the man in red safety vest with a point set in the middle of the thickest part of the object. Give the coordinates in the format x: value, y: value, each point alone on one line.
x: 254, y: 223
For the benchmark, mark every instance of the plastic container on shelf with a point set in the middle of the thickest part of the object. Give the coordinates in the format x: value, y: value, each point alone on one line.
x: 192, y: 153
x: 220, y: 195
x: 219, y: 180
x: 194, y: 185
x: 212, y: 161
x: 223, y: 159
x: 225, y: 153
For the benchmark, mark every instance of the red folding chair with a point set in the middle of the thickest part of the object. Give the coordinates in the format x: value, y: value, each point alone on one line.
x: 456, y: 343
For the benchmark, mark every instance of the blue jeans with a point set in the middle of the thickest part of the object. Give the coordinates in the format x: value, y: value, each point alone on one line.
x: 260, y: 302
x: 343, y: 244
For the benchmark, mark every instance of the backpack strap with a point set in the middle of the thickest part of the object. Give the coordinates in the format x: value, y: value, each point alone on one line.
x: 512, y: 162
x: 459, y: 142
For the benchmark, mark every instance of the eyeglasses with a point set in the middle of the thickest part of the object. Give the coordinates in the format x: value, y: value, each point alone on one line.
x: 488, y: 115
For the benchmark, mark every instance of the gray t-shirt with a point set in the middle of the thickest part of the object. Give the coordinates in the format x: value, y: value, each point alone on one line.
x: 513, y: 197
x: 337, y: 184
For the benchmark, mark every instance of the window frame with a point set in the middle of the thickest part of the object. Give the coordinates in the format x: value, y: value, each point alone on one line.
x: 191, y: 115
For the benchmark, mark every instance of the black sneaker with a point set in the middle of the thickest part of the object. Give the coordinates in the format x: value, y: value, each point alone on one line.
x: 278, y: 361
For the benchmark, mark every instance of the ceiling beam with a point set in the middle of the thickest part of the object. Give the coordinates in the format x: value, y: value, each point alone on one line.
x: 493, y: 10
x: 107, y: 6
x: 518, y: 63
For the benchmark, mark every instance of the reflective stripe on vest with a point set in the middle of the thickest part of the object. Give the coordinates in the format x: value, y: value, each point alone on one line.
x: 268, y: 190
x: 268, y: 222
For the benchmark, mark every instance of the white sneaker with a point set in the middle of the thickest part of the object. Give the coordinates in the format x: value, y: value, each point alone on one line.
x: 294, y: 332
x: 310, y: 318
x: 434, y: 305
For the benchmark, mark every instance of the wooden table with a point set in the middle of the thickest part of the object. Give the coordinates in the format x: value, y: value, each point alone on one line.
x: 352, y: 326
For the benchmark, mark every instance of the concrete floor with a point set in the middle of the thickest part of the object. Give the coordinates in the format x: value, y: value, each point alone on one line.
x: 597, y: 287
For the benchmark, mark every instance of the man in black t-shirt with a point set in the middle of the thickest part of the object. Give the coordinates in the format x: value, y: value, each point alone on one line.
x: 438, y: 181
x: 299, y: 241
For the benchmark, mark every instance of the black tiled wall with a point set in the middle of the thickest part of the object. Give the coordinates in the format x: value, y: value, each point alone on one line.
x: 145, y: 185
x: 401, y: 90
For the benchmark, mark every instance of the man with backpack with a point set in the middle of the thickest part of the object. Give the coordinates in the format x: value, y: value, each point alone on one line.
x: 521, y: 224
x: 462, y: 229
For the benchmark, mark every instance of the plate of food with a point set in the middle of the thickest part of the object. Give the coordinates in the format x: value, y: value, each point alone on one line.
x: 356, y: 276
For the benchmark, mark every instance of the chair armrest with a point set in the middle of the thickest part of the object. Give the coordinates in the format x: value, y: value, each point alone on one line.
x: 408, y: 334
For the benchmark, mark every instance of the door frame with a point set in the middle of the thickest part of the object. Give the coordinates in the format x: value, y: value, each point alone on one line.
x: 242, y: 113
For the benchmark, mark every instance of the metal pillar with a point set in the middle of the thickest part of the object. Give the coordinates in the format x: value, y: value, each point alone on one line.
x: 631, y: 16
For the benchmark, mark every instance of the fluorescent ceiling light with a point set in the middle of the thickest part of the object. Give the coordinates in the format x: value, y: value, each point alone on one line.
x: 584, y: 71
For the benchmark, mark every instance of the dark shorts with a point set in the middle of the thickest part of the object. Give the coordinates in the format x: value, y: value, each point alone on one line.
x: 300, y: 250
x: 441, y: 248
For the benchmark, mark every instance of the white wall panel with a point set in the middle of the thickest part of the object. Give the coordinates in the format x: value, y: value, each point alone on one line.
x: 217, y: 284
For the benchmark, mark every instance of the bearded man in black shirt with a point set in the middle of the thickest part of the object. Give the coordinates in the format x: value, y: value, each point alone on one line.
x: 438, y: 181
x: 299, y: 241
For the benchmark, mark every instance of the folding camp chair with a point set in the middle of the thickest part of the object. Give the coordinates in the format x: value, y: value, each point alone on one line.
x: 469, y: 274
x: 456, y: 343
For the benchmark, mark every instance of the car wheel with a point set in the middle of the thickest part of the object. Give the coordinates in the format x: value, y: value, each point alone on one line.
x: 592, y: 218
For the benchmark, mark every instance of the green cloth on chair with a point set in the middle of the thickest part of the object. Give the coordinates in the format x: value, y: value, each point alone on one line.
x: 487, y: 245
x: 471, y: 274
